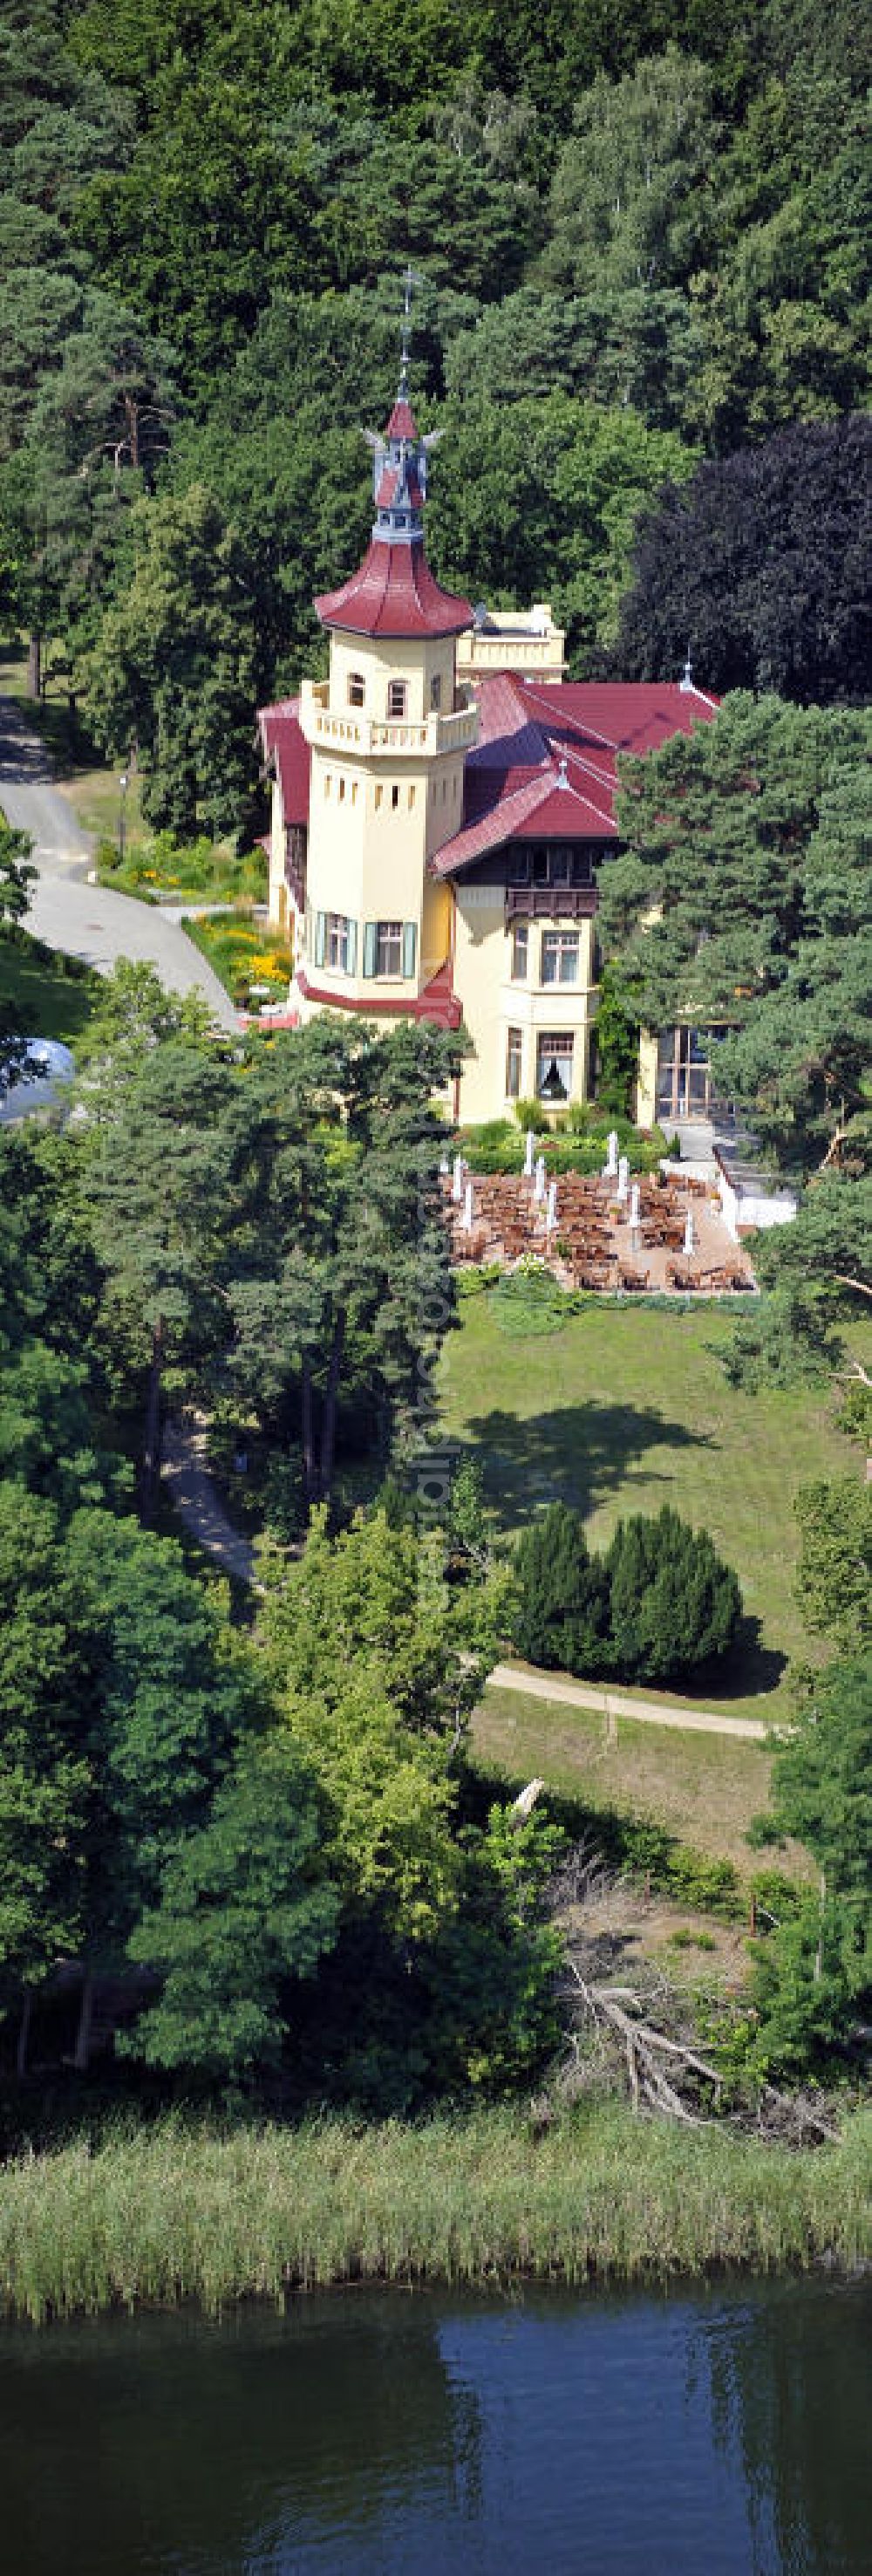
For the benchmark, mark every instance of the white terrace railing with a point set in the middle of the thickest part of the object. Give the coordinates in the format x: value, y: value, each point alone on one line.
x: 346, y: 730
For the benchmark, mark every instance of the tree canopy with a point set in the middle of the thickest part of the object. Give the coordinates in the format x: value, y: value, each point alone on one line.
x: 741, y: 896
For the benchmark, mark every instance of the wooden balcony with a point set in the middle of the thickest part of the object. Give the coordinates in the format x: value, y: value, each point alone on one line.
x: 551, y: 903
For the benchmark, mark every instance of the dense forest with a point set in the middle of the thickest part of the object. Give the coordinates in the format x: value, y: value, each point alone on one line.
x: 641, y: 319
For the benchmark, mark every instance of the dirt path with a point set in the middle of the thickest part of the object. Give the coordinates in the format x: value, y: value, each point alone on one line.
x: 570, y: 1694
x: 195, y: 1496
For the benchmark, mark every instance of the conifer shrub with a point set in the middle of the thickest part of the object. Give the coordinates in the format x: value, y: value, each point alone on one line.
x: 562, y: 1601
x: 660, y: 1603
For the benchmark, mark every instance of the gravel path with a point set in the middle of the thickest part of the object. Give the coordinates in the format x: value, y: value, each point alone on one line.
x: 88, y: 921
x: 697, y: 1721
x: 196, y: 1498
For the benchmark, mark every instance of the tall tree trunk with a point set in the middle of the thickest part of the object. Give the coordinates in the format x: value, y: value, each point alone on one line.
x: 131, y: 407
x: 328, y: 1419
x: 24, y: 2032
x: 34, y: 667
x: 310, y: 1480
x: 151, y: 1457
x: 82, y: 2050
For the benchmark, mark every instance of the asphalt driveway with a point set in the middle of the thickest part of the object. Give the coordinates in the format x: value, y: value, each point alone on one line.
x: 88, y: 921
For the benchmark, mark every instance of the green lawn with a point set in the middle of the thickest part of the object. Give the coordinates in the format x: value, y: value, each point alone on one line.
x: 628, y: 1408
x: 703, y: 1788
x: 41, y: 995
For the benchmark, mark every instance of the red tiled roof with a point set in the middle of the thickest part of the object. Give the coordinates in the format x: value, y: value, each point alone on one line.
x: 545, y: 761
x: 394, y: 592
x: 402, y: 421
x: 283, y: 742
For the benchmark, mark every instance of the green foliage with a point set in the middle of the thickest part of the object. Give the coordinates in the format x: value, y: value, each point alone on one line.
x: 834, y: 1573
x: 16, y: 872
x: 562, y: 1614
x: 855, y: 1412
x: 529, y: 1303
x: 674, y: 1604
x: 174, y: 668
x: 813, y: 1979
x: 748, y: 838
x: 617, y: 1045
x: 245, y: 1912
x: 659, y: 1603
x: 577, y: 1142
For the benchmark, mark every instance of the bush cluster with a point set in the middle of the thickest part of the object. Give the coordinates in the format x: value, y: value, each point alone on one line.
x: 577, y: 1142
x: 659, y: 1603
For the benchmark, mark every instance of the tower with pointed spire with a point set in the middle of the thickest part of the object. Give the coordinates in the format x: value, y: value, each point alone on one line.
x: 388, y: 733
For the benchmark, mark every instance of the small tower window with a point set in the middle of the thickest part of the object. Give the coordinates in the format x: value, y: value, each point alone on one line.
x: 342, y: 791
x: 356, y: 689
x: 327, y: 784
x: 378, y: 797
x: 411, y: 798
x: 396, y: 698
x: 395, y: 798
x: 436, y: 692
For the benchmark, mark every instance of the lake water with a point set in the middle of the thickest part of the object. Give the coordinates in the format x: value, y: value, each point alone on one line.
x: 364, y: 2434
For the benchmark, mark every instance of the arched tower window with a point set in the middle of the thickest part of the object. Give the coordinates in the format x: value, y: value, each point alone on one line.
x: 356, y: 689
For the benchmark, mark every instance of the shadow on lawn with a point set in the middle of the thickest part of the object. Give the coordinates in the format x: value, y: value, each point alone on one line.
x: 579, y: 1454
x: 748, y: 1672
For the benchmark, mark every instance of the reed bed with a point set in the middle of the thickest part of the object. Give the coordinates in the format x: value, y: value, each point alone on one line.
x: 179, y: 2211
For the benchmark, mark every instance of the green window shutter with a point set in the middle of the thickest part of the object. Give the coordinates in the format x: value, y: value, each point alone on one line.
x: 320, y: 936
x: 352, y: 948
x: 410, y: 933
x: 370, y: 947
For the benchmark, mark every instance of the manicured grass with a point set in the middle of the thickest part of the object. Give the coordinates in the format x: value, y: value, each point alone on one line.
x: 41, y: 994
x: 626, y: 1409
x: 171, y: 2213
x: 703, y: 1788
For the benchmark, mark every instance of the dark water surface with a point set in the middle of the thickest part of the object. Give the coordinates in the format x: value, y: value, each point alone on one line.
x: 705, y: 2434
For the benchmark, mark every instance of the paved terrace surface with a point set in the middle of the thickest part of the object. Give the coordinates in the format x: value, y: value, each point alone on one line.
x: 88, y: 921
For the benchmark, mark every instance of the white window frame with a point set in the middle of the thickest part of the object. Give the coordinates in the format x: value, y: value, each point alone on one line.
x: 336, y: 943
x: 514, y: 1063
x: 561, y: 950
x: 389, y: 937
x: 557, y: 1048
x: 520, y: 949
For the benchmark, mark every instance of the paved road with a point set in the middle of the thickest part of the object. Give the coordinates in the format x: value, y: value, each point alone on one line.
x: 88, y: 921
x: 698, y: 1721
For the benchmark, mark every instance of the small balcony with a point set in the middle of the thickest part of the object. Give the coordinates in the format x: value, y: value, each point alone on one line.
x: 347, y: 729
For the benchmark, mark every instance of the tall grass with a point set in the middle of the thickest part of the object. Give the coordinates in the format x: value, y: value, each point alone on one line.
x: 178, y: 2211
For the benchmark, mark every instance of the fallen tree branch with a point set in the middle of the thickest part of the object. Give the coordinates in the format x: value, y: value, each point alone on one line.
x: 644, y: 2048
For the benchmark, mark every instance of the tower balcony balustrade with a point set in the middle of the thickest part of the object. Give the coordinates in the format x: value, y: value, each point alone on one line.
x: 366, y: 737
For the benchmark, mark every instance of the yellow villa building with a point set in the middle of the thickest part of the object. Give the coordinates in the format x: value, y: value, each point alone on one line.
x: 441, y: 806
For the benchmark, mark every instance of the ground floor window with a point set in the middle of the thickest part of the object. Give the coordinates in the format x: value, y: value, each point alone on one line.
x: 554, y: 1067
x: 514, y: 1064
x: 686, y: 1079
x: 389, y: 948
x: 560, y: 957
x: 339, y: 930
